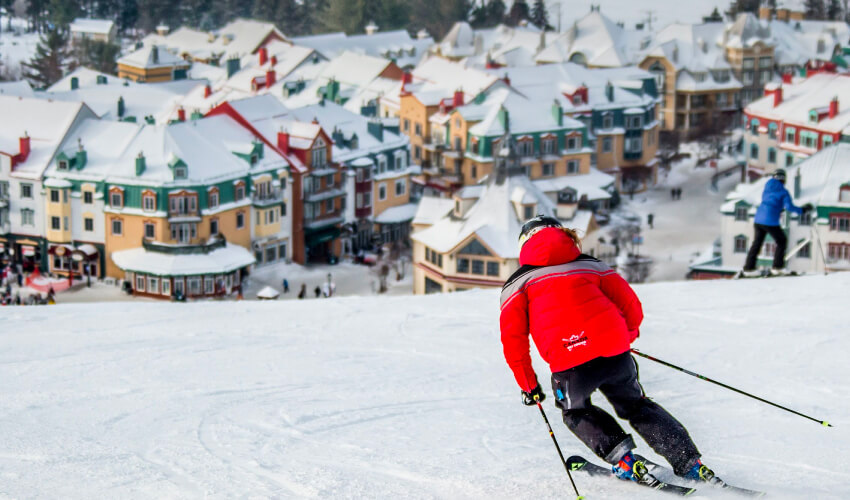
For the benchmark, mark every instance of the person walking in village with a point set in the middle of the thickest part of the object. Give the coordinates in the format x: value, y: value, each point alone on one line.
x: 317, y: 291
x: 649, y: 219
x: 303, y: 292
x: 285, y: 285
x: 774, y: 199
x: 585, y: 317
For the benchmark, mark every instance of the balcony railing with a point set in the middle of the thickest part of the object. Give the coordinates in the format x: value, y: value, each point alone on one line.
x: 324, y: 194
x: 265, y: 199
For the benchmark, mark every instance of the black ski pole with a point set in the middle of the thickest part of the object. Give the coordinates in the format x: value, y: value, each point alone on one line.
x: 552, y: 434
x: 697, y: 375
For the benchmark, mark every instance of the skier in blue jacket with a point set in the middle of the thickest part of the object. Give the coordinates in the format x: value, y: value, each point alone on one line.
x: 774, y: 200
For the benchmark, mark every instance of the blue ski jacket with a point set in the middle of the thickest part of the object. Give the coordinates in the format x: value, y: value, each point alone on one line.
x: 774, y: 199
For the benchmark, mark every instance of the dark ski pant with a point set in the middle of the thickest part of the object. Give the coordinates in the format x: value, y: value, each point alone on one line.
x: 617, y: 379
x: 778, y: 236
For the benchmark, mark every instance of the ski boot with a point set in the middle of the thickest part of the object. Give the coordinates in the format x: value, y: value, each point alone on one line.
x: 752, y: 273
x: 631, y: 469
x: 703, y: 474
x: 780, y: 272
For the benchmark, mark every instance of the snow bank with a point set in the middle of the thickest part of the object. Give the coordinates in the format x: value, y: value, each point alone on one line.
x: 402, y: 397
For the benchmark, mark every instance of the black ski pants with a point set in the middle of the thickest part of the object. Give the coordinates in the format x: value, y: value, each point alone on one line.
x: 778, y: 236
x: 617, y: 379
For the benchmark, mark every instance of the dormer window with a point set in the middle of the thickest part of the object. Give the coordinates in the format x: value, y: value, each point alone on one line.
x: 528, y: 211
x: 239, y: 192
x: 742, y: 212
x: 844, y: 194
x: 181, y: 173
x: 148, y: 201
x: 254, y: 159
x: 63, y: 165
x: 116, y: 198
x: 566, y: 197
x: 577, y: 100
x: 813, y: 116
x: 608, y: 121
x: 212, y: 199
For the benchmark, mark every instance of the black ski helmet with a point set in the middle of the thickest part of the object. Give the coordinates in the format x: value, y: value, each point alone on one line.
x: 539, y: 221
x: 780, y: 175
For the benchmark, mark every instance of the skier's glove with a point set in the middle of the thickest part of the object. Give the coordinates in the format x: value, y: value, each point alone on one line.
x: 528, y: 397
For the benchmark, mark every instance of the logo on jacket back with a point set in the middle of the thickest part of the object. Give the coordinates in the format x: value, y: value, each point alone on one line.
x: 575, y: 341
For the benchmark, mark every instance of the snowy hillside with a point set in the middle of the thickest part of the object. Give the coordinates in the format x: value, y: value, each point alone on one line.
x: 630, y: 12
x: 402, y: 397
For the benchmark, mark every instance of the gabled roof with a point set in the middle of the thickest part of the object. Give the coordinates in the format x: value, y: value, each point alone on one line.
x: 493, y: 218
x: 395, y: 45
x: 99, y: 26
x: 800, y: 98
x: 436, y: 79
x: 104, y: 142
x: 601, y: 41
x: 152, y: 56
x: 244, y: 36
x: 45, y: 122
x: 525, y: 115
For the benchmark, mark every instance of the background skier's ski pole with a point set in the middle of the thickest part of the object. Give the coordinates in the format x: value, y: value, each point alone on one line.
x: 697, y: 375
x: 552, y: 434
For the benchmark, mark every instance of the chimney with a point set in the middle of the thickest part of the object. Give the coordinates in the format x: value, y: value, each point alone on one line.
x: 833, y: 107
x: 609, y: 92
x: 207, y: 91
x: 24, y: 143
x: 233, y: 66
x: 558, y: 113
x: 140, y: 164
x: 507, y: 79
x: 457, y: 100
x: 120, y: 107
x: 270, y: 78
x: 283, y: 141
x: 81, y: 155
x: 777, y: 96
x: 264, y: 55
x: 787, y: 77
x: 181, y: 114
x: 798, y: 181
x: 375, y: 129
x: 75, y: 82
x: 371, y: 28
x: 155, y: 54
x: 274, y: 60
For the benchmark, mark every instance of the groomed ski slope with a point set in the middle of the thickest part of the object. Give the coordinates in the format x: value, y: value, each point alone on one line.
x: 400, y: 397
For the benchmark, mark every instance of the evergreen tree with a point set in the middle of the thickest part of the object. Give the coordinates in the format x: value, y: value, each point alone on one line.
x: 63, y: 12
x: 714, y: 17
x: 51, y: 59
x: 343, y: 15
x: 741, y: 6
x: 539, y: 16
x: 519, y: 12
x: 97, y: 55
x: 814, y: 9
x: 834, y: 12
x: 437, y: 17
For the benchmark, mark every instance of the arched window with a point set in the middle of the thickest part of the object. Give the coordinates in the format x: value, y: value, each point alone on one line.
x: 578, y: 58
x: 771, y: 155
x: 658, y: 71
x: 754, y: 151
x: 741, y: 244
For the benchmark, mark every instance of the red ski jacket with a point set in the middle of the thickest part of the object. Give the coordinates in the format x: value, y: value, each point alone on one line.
x: 575, y: 307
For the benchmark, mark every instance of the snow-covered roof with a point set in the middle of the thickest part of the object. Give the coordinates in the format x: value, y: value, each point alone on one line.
x: 822, y: 176
x: 505, y: 45
x: 268, y: 293
x: 431, y: 209
x: 86, y: 77
x: 401, y: 213
x: 219, y: 261
x: 159, y: 100
x: 152, y: 56
x: 99, y: 26
x: 594, y: 185
x: 552, y: 81
x: 596, y: 39
x: 20, y: 88
x: 801, y: 97
x: 45, y: 122
x: 104, y: 142
x: 493, y: 218
x: 435, y: 79
x: 397, y: 45
x: 333, y: 117
x: 525, y: 115
x: 798, y: 42
x: 244, y: 36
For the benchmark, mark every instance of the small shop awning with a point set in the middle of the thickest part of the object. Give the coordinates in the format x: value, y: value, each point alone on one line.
x: 60, y: 249
x: 220, y: 261
x: 88, y: 249
x: 401, y: 213
x: 322, y: 236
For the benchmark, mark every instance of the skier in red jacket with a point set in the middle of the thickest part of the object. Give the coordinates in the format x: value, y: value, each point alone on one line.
x: 583, y: 318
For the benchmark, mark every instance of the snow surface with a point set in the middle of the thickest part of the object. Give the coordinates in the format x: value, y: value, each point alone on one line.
x: 400, y: 397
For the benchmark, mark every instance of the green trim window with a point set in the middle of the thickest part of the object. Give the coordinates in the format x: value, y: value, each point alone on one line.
x: 791, y: 135
x: 809, y: 139
x: 826, y: 141
x: 742, y: 212
x: 771, y: 155
x: 754, y: 152
x: 754, y: 126
x: 771, y: 130
x: 741, y: 244
x: 789, y: 159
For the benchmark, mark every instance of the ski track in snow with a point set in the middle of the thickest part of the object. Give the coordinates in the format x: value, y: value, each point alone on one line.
x: 401, y: 397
